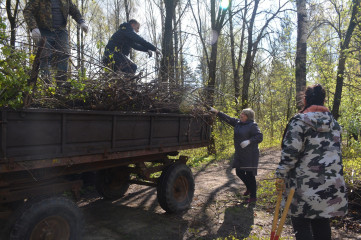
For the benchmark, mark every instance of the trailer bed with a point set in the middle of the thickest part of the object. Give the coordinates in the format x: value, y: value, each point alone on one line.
x: 42, y: 138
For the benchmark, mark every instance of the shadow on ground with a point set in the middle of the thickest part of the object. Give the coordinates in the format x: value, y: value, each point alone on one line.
x: 238, y: 221
x: 109, y: 220
x: 215, y: 212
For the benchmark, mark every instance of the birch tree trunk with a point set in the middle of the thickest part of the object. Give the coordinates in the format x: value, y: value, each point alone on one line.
x: 301, y: 52
x: 176, y: 50
x: 236, y: 62
x: 167, y: 62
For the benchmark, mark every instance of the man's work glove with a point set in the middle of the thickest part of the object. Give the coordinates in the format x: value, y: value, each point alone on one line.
x: 84, y: 27
x: 36, y: 35
x: 150, y: 53
x: 213, y: 110
x: 245, y: 143
x: 280, y: 184
x: 158, y: 53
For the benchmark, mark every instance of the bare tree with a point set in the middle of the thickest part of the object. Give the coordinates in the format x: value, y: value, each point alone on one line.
x: 80, y: 42
x: 167, y: 62
x: 127, y: 9
x: 181, y: 59
x: 176, y: 48
x: 236, y: 62
x: 301, y: 52
x: 252, y: 46
x: 117, y: 12
x: 217, y: 24
x: 344, y: 45
x: 12, y: 19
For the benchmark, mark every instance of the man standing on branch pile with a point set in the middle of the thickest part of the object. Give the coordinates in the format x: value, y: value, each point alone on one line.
x: 48, y: 18
x: 118, y: 48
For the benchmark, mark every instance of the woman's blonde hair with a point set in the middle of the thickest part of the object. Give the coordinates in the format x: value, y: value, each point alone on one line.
x: 249, y: 113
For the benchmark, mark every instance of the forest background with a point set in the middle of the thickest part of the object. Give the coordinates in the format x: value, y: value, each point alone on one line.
x: 235, y: 54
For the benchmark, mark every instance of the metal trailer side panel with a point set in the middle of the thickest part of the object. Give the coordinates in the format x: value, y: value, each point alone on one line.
x: 37, y: 134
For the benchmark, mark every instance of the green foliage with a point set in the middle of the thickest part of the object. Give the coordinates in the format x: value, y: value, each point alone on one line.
x: 352, y: 164
x: 351, y: 113
x: 266, y: 192
x: 79, y: 87
x: 253, y: 236
x: 230, y: 237
x: 13, y: 72
x: 198, y: 157
x: 352, y: 150
x: 352, y: 173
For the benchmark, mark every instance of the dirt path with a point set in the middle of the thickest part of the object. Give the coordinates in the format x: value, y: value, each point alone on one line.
x: 217, y: 210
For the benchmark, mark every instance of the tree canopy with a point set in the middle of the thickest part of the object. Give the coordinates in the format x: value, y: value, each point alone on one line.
x: 240, y: 53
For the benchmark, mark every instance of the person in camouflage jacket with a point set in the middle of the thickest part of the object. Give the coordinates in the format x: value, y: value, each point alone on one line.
x: 38, y: 13
x: 311, y: 162
x: 48, y: 18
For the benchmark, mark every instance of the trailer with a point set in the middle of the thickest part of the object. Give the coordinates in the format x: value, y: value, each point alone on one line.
x: 46, y: 152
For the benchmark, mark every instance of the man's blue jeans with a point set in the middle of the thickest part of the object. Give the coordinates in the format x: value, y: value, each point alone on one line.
x: 55, y: 54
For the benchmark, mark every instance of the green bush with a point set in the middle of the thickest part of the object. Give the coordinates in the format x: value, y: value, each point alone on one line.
x: 13, y: 72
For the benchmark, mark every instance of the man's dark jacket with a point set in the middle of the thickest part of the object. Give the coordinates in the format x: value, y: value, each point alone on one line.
x: 126, y: 38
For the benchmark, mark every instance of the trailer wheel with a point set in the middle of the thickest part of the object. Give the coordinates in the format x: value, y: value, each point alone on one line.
x: 50, y: 218
x: 160, y: 195
x: 175, y: 188
x: 112, y: 183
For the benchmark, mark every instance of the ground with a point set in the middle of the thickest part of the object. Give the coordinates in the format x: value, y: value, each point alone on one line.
x: 216, y: 211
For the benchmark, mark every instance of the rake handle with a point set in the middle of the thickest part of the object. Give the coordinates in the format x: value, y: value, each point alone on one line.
x: 275, y: 217
x: 284, y: 214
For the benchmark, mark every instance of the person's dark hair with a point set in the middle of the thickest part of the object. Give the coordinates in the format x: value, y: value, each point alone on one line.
x: 132, y: 21
x: 314, y: 95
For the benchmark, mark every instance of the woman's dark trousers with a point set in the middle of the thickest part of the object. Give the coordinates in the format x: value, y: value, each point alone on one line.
x: 249, y: 180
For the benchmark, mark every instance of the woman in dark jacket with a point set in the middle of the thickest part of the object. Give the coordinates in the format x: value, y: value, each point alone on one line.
x: 247, y: 136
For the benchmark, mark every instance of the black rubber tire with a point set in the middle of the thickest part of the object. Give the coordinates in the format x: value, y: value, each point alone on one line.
x: 175, y: 188
x: 16, y: 209
x: 160, y: 195
x: 112, y: 183
x: 50, y: 218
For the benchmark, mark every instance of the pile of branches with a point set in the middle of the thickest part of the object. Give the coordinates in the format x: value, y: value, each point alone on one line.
x: 106, y: 90
x: 121, y: 92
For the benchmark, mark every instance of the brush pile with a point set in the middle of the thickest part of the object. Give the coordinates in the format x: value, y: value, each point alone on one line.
x: 119, y: 92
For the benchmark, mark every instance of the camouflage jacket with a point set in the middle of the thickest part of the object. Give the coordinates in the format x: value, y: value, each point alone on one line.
x: 37, y: 13
x: 311, y: 162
